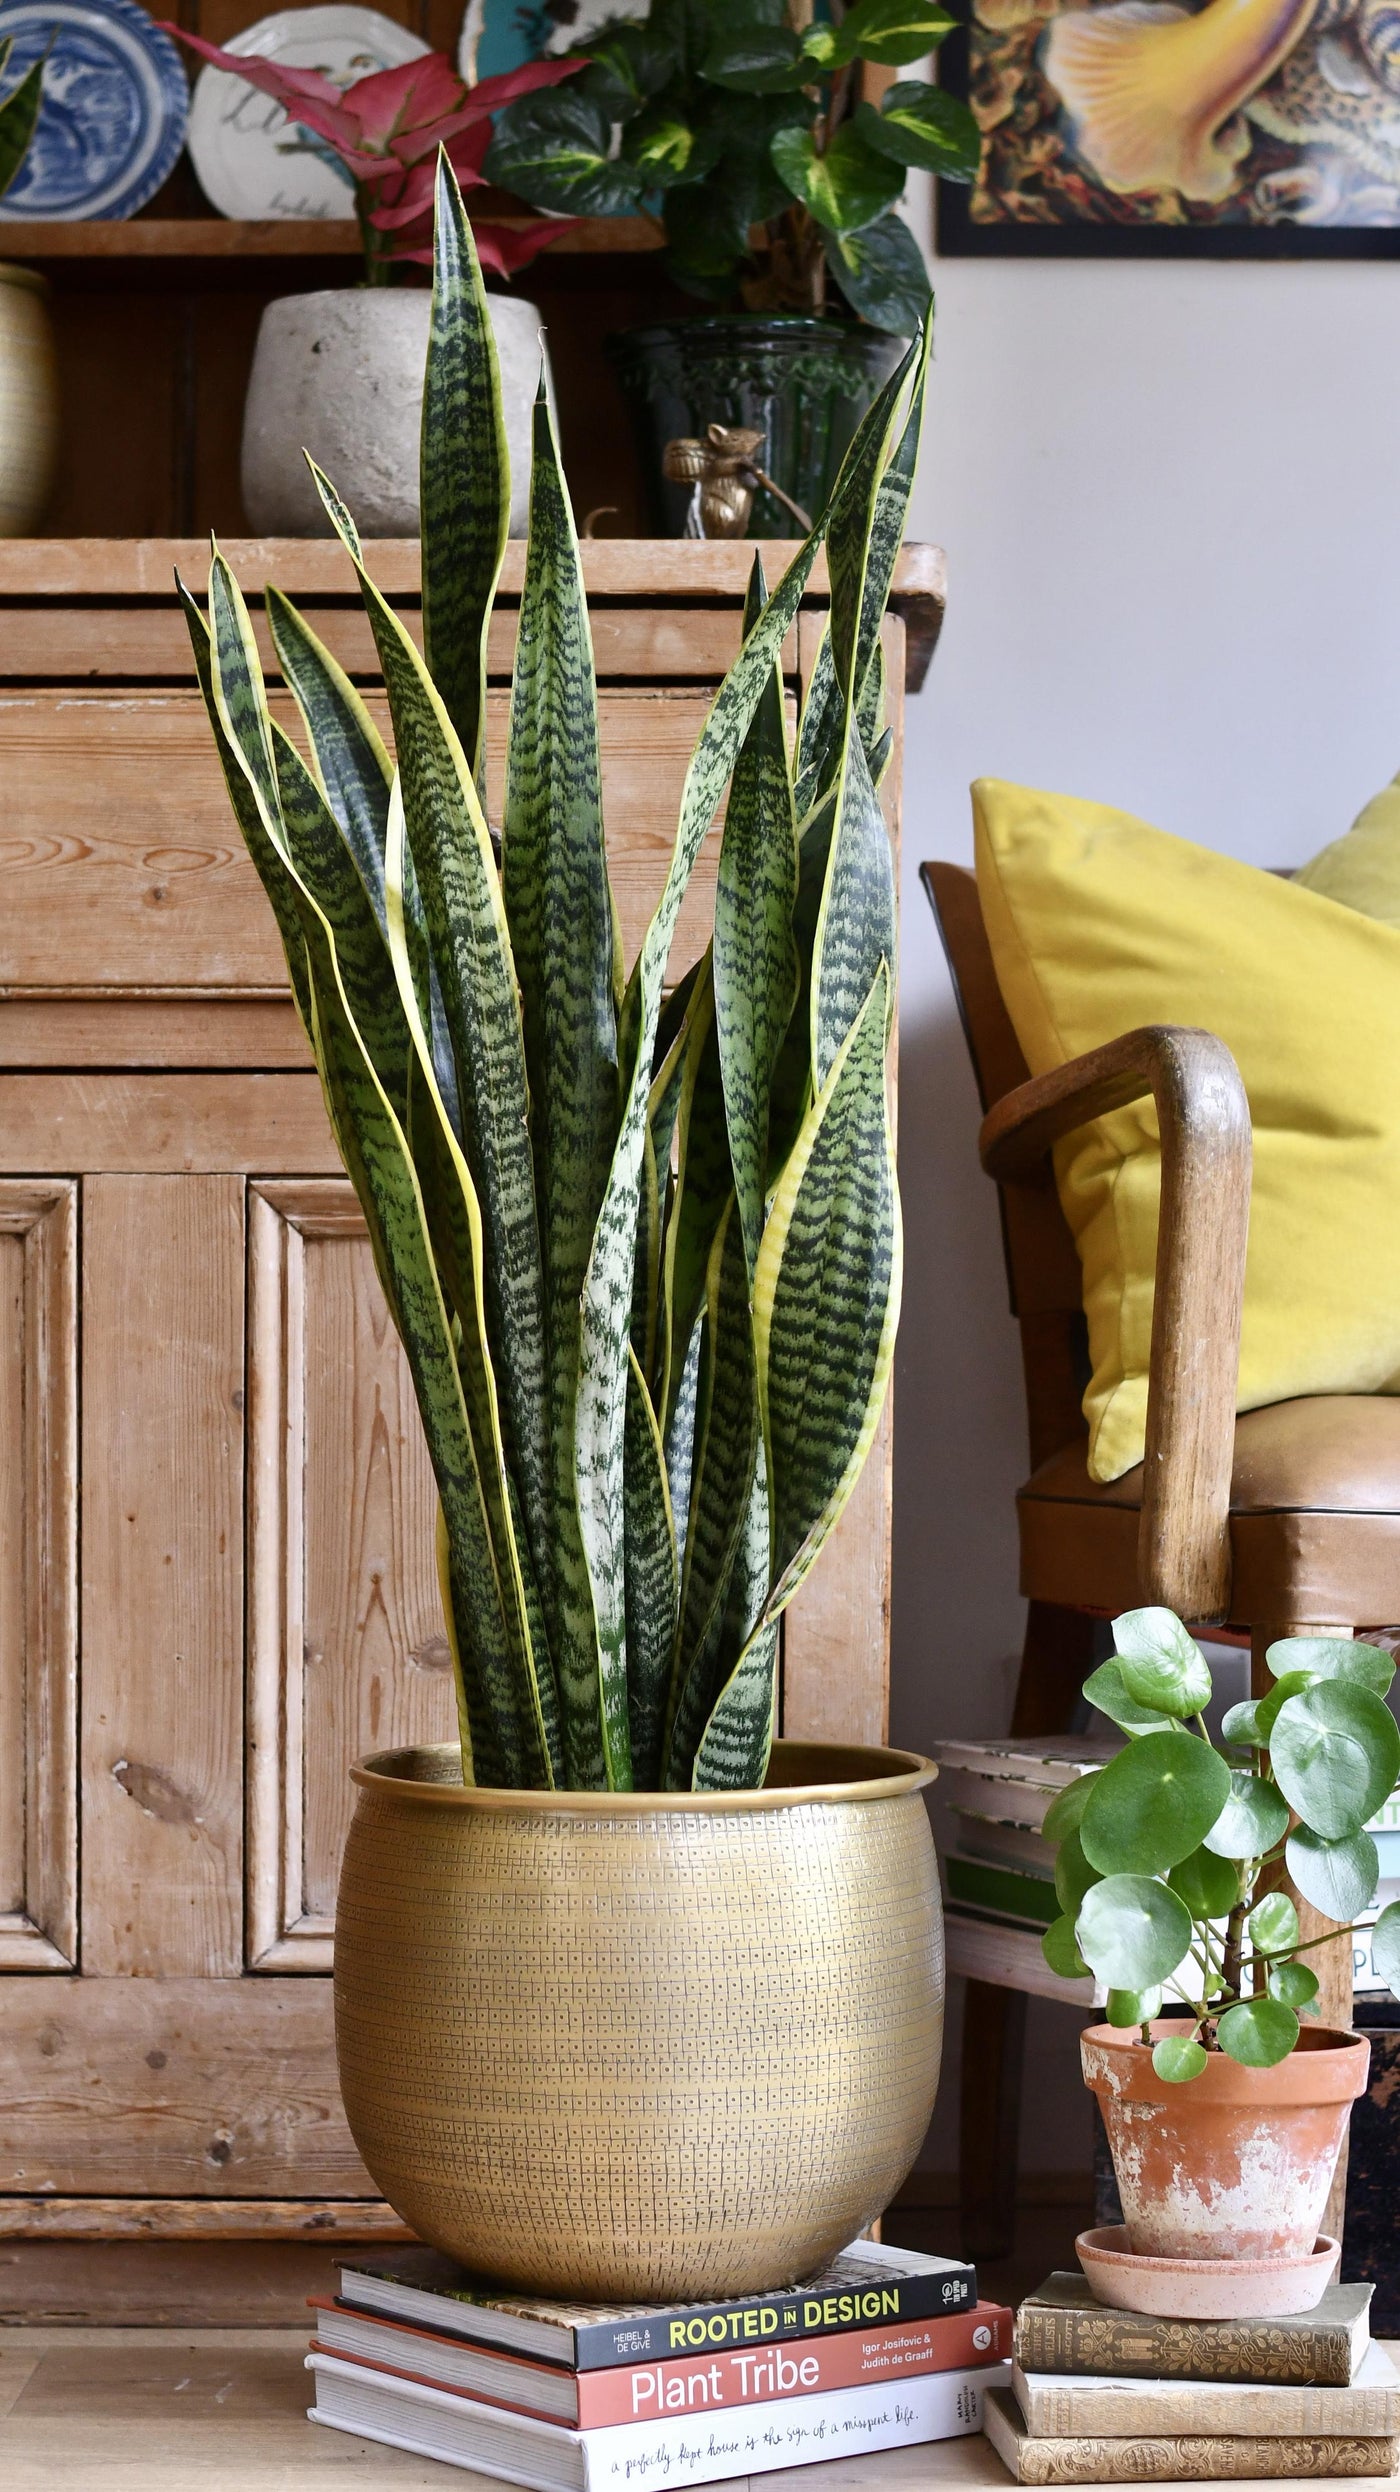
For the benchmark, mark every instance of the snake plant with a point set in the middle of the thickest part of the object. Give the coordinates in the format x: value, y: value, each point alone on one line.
x: 642, y: 1247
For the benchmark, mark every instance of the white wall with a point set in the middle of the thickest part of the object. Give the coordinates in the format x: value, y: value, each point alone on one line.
x: 1169, y: 498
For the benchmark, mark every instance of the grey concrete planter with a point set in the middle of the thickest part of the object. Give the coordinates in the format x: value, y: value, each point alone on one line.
x: 341, y: 374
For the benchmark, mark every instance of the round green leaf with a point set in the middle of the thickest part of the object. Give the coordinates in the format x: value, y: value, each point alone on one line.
x: 555, y: 150
x: 1332, y: 1657
x: 1293, y: 1984
x: 882, y: 275
x: 895, y: 32
x: 1074, y: 1875
x: 762, y: 60
x: 1178, y: 2058
x: 1059, y: 1950
x: 1340, y: 1878
x: 1273, y: 1925
x: 1385, y: 1947
x: 1107, y: 1692
x: 1336, y: 1755
x: 1152, y: 1804
x: 844, y: 187
x: 1067, y: 1808
x: 1252, y: 1821
x: 1268, y: 1708
x: 1208, y: 1886
x: 1133, y: 2007
x: 924, y: 125
x: 1241, y: 1726
x: 1258, y: 2033
x: 1132, y: 1932
x: 1163, y: 1667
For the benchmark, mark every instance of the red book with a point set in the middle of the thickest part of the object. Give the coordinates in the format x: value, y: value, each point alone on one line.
x: 638, y: 2392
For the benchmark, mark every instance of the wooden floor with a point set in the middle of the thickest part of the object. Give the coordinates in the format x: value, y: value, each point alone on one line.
x: 224, y: 2410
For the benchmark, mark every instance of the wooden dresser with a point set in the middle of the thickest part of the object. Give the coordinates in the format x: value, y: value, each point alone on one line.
x: 216, y: 1550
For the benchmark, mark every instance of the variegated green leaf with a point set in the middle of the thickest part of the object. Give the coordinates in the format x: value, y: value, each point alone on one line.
x: 351, y: 763
x: 324, y: 865
x: 733, y: 1747
x: 703, y: 1184
x: 755, y: 955
x: 607, y: 1296
x: 868, y: 512
x: 856, y: 926
x: 726, y: 1449
x: 653, y: 1582
x: 558, y: 908
x: 18, y: 114
x: 680, y: 1434
x: 826, y: 1298
x: 465, y: 475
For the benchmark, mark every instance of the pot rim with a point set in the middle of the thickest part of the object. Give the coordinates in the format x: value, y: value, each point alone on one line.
x: 852, y: 1772
x: 1327, y: 2065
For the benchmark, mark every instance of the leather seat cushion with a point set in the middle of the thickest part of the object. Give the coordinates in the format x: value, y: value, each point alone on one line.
x: 1314, y: 1518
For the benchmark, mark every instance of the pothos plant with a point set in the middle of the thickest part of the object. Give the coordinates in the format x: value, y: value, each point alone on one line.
x: 1170, y: 1857
x: 776, y: 182
x: 642, y: 1247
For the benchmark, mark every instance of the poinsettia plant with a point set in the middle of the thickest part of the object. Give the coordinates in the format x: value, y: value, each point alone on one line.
x: 777, y: 179
x: 386, y: 130
x: 1171, y: 1857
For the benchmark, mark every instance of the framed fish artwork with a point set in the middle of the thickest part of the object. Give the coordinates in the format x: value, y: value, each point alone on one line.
x: 1223, y: 129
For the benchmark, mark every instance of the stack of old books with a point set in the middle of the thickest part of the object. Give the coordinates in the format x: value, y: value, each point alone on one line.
x: 884, y: 2349
x: 1105, y: 2396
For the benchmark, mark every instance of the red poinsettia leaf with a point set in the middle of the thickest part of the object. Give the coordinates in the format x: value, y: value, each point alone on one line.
x: 505, y: 248
x: 314, y: 101
x: 416, y: 96
x: 465, y: 136
x: 411, y: 196
x: 489, y: 94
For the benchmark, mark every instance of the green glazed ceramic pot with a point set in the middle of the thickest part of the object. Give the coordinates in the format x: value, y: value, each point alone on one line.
x: 804, y: 383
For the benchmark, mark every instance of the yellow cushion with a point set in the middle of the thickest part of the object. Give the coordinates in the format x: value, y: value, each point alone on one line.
x: 1098, y: 925
x: 1362, y: 870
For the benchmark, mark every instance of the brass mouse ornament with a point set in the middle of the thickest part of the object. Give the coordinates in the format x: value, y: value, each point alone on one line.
x: 725, y: 474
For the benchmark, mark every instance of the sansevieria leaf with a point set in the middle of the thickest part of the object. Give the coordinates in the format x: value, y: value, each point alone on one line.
x: 653, y: 1582
x: 856, y: 927
x: 351, y: 763
x: 726, y: 1448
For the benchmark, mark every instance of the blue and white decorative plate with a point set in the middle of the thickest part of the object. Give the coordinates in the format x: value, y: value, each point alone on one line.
x: 116, y: 101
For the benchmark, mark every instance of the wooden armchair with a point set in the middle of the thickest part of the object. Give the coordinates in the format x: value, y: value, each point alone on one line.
x: 1285, y: 1522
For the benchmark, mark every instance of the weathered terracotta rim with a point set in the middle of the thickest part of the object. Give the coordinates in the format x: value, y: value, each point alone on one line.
x: 1101, y: 2244
x: 1327, y: 2066
x: 826, y: 1773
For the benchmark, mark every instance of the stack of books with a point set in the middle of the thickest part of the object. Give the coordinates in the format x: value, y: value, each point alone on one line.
x: 884, y: 2349
x: 1106, y: 2396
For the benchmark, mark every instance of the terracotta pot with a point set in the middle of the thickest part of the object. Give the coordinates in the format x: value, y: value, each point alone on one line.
x: 639, y: 2046
x: 1236, y: 2163
x: 28, y: 400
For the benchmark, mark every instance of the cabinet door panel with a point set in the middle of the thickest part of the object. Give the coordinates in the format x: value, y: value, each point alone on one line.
x: 346, y: 1645
x: 38, y: 1576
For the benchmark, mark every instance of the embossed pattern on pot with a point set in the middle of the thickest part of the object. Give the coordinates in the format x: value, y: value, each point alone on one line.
x: 644, y: 2051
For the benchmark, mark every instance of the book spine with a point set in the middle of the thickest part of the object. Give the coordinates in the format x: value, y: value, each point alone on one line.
x: 1200, y: 2457
x: 1059, y: 2410
x: 704, y: 2383
x: 1108, y: 2343
x: 946, y: 2405
x: 607, y: 2344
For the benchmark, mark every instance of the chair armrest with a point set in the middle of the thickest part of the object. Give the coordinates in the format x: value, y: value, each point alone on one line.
x: 1184, y: 1532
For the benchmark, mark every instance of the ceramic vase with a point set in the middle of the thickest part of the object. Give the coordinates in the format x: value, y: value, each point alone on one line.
x: 634, y: 2046
x: 340, y: 374
x: 28, y: 401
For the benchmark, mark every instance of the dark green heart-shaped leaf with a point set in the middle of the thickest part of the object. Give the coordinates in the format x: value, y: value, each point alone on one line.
x: 1336, y: 1755
x: 1240, y: 1726
x: 844, y: 187
x: 1332, y: 1657
x: 923, y: 125
x: 1067, y: 1808
x: 555, y: 149
x: 1106, y: 1691
x: 1178, y: 2058
x: 1252, y: 1821
x: 761, y: 60
x: 1339, y: 1877
x: 894, y: 32
x: 882, y: 275
x: 1208, y: 1886
x: 1132, y: 1932
x: 1163, y: 1667
x: 666, y: 148
x: 1385, y: 1947
x: 1060, y: 1951
x: 1133, y: 2007
x: 627, y: 65
x: 1153, y: 1804
x: 1273, y: 1925
x: 1258, y: 2033
x: 1293, y: 1985
x: 1074, y: 1875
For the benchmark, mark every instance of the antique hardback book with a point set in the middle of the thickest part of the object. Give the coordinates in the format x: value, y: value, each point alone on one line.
x: 1063, y: 2328
x: 1186, y: 2457
x: 1057, y: 2405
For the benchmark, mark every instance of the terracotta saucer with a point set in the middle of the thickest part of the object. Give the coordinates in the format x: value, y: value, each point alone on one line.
x: 1204, y: 2288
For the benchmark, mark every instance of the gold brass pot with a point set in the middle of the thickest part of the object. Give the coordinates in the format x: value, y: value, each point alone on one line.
x: 636, y: 2046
